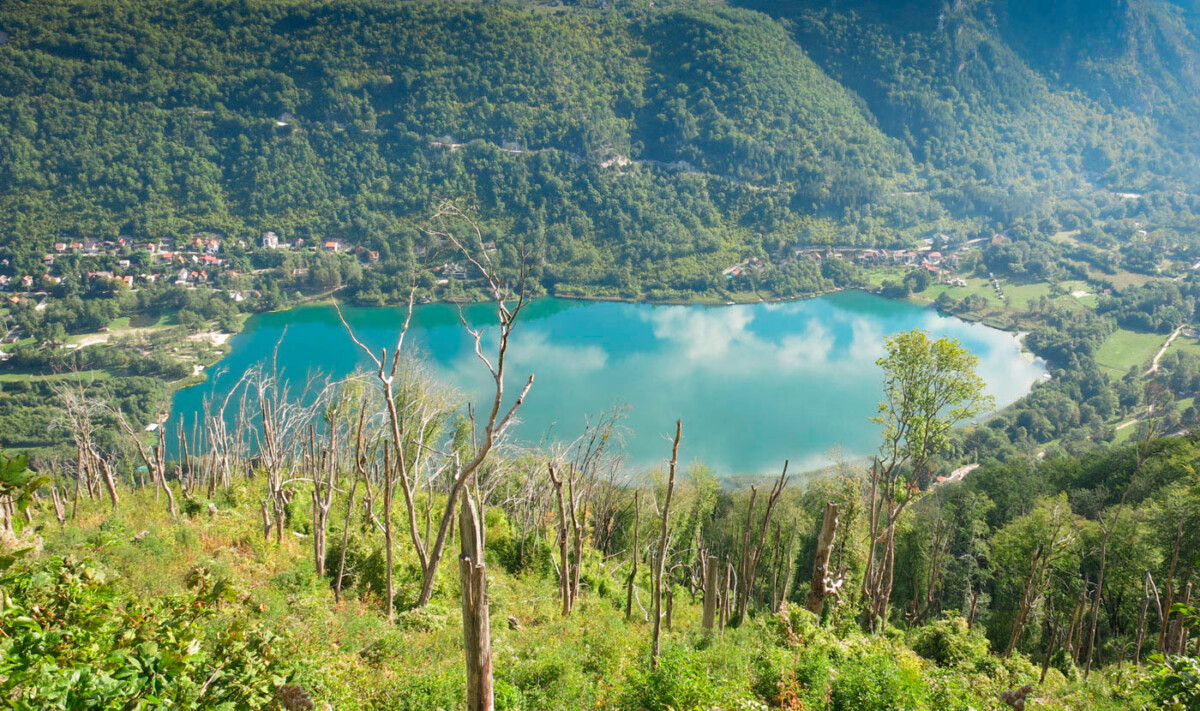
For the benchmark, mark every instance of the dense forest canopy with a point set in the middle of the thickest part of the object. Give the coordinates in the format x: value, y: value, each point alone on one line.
x: 643, y: 147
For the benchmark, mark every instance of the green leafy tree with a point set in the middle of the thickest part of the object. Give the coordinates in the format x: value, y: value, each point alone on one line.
x: 929, y: 387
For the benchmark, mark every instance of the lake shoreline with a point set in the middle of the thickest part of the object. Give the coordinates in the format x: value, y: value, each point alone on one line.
x: 814, y: 351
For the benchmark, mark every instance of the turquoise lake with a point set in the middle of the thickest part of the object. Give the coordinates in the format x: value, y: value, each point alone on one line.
x: 754, y: 385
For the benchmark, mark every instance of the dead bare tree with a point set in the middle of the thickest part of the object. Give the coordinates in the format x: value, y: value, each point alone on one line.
x: 752, y: 549
x: 819, y: 587
x: 635, y: 554
x: 509, y: 301
x: 80, y: 411
x: 566, y: 526
x: 711, y: 593
x: 154, y: 460
x: 477, y: 641
x: 663, y: 541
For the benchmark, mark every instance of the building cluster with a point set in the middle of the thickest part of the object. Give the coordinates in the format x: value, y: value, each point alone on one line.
x: 195, y: 261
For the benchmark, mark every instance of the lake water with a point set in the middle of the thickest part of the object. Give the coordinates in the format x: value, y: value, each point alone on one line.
x: 754, y: 384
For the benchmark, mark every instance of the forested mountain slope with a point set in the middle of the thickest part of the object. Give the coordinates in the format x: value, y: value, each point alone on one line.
x: 644, y: 147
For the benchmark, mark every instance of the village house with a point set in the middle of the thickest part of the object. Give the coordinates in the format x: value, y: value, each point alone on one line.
x: 332, y: 246
x: 270, y: 240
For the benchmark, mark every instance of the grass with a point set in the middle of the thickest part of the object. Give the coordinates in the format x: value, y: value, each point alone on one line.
x: 46, y: 377
x: 1187, y: 345
x: 1128, y: 349
x: 347, y: 656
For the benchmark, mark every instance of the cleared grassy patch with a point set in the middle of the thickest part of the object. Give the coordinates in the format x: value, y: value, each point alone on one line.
x: 1127, y: 349
x: 40, y: 377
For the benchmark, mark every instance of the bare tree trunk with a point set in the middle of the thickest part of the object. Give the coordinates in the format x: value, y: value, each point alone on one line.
x: 1178, y: 638
x: 820, y: 576
x: 60, y: 508
x: 635, y: 554
x: 1170, y: 588
x: 109, y: 482
x: 752, y: 555
x: 726, y: 608
x: 789, y: 569
x: 711, y: 593
x: 1051, y: 648
x: 564, y: 557
x: 1029, y: 595
x: 661, y: 559
x: 1141, y: 632
x: 341, y: 574
x: 477, y: 640
x: 387, y: 538
x: 266, y: 519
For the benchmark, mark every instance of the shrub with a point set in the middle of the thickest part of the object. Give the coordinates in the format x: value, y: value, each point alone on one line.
x: 876, y: 681
x: 74, y: 639
x: 679, y: 683
x: 950, y: 642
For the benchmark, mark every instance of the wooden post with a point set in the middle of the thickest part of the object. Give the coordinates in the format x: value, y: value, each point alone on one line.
x: 816, y: 591
x: 710, y: 592
x: 477, y: 641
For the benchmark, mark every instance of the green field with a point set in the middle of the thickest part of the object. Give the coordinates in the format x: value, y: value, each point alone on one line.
x: 40, y: 377
x: 1127, y: 349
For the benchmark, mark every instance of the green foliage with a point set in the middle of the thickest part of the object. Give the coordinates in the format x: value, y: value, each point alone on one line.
x: 76, y: 640
x: 950, y: 642
x: 18, y: 483
x: 1175, y: 679
x: 681, y: 681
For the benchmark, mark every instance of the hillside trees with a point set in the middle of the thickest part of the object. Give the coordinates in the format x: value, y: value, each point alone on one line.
x: 929, y: 387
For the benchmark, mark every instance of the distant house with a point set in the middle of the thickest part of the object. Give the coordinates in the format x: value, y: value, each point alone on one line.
x: 48, y: 259
x: 60, y: 246
x: 91, y: 247
x: 372, y: 256
x: 999, y: 238
x: 270, y: 240
x: 183, y: 277
x: 27, y: 282
x: 332, y: 246
x: 212, y: 246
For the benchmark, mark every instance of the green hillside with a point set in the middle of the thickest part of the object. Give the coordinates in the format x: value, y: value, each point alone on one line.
x: 645, y: 148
